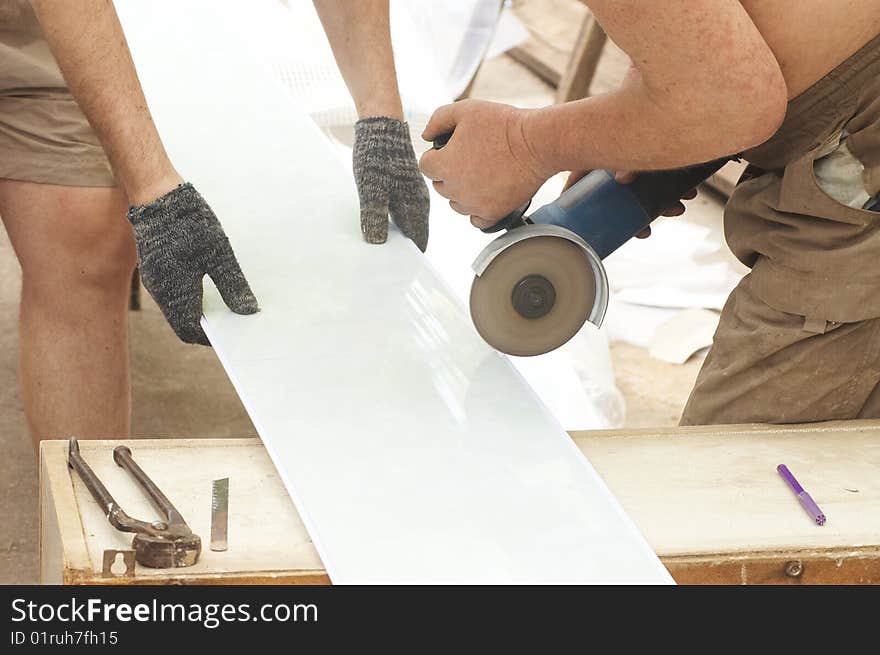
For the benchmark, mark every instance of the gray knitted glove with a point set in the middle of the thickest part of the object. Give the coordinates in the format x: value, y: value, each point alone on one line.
x: 179, y: 241
x: 389, y: 181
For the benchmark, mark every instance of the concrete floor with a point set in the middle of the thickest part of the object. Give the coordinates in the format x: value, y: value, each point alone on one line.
x: 182, y: 391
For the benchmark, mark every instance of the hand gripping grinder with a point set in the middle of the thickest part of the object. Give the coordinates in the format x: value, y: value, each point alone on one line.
x: 539, y: 282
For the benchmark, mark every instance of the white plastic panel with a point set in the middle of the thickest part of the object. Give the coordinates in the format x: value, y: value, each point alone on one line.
x: 413, y: 452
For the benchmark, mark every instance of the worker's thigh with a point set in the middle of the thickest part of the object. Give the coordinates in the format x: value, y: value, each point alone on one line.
x: 73, y: 243
x: 765, y: 367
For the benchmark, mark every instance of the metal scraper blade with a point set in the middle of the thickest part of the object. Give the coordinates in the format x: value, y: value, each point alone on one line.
x: 564, y: 264
x: 219, y: 514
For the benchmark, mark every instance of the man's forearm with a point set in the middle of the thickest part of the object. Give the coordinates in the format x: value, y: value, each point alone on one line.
x: 705, y: 84
x: 360, y: 35
x: 89, y: 45
x: 620, y: 131
x: 629, y: 130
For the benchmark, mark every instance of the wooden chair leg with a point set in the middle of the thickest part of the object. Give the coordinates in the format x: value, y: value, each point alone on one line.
x: 575, y: 83
x: 134, y: 298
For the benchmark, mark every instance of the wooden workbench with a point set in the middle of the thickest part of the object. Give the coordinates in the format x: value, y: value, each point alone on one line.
x: 708, y: 500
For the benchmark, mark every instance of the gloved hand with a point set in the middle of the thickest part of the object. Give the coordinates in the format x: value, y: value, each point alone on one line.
x: 389, y: 181
x: 179, y: 241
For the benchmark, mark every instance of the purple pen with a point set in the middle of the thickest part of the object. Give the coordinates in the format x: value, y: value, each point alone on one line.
x: 803, y: 497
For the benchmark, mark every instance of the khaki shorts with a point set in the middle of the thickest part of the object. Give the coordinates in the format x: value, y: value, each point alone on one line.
x: 799, y: 338
x: 44, y: 137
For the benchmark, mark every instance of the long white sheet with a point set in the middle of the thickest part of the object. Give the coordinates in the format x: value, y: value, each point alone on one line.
x: 413, y: 452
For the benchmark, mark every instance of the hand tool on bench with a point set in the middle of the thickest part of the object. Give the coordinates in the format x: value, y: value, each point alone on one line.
x: 537, y: 284
x: 220, y: 515
x: 166, y: 543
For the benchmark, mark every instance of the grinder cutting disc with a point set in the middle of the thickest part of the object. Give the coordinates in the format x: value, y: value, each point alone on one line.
x: 534, y: 296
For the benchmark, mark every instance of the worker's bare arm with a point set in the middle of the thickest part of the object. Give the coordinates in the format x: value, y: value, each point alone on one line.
x: 360, y: 35
x: 385, y: 167
x: 179, y: 239
x: 707, y: 85
x: 89, y: 45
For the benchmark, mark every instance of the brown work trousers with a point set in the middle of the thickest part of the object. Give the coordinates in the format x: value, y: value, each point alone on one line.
x: 799, y: 338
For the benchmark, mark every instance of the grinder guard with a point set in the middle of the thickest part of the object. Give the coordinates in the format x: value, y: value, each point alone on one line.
x: 491, y: 251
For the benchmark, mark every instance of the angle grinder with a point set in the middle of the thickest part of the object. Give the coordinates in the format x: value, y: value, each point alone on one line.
x: 537, y: 284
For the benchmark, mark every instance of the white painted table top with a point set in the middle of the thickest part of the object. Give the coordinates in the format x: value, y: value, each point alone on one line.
x: 710, y: 491
x: 413, y: 452
x: 265, y: 531
x: 715, y: 489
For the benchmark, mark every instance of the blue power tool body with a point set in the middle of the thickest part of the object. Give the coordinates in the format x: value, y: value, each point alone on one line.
x: 537, y: 284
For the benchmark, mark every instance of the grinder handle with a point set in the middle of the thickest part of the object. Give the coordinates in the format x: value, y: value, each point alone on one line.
x: 656, y: 191
x: 512, y: 220
x: 607, y: 214
x: 441, y: 141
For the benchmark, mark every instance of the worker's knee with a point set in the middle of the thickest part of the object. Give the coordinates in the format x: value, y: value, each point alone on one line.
x: 766, y: 367
x: 83, y: 244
